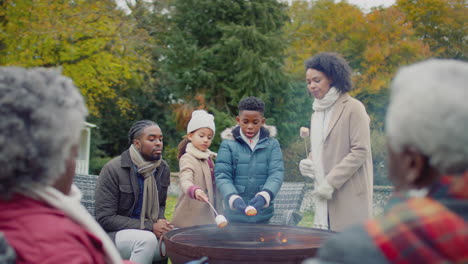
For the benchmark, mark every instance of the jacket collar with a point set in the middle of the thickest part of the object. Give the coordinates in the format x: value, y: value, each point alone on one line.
x: 233, y: 133
x: 337, y: 111
x: 126, y: 161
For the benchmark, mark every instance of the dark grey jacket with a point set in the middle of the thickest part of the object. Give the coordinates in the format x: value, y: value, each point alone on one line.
x: 117, y: 194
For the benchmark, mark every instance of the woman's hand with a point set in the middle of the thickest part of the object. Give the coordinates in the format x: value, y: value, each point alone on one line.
x: 307, y: 168
x: 324, y: 191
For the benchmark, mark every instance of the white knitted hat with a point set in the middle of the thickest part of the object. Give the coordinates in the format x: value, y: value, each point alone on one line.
x: 201, y: 118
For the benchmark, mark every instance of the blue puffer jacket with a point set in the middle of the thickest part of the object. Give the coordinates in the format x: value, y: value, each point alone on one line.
x: 244, y: 172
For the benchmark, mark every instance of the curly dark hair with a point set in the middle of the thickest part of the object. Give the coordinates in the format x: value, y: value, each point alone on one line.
x: 335, y: 67
x: 252, y: 103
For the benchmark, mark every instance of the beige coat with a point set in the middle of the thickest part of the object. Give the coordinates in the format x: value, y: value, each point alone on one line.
x: 347, y: 163
x: 189, y: 212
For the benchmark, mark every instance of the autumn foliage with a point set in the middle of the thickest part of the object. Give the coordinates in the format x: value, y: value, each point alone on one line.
x: 162, y: 59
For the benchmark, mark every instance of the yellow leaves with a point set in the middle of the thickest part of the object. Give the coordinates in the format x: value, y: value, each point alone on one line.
x: 321, y: 26
x: 375, y: 44
x: 439, y: 23
x: 95, y: 45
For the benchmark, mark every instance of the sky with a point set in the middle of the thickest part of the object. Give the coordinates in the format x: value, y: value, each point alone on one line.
x: 365, y: 5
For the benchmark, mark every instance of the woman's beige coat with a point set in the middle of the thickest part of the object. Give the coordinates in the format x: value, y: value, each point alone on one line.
x: 347, y: 163
x: 188, y: 211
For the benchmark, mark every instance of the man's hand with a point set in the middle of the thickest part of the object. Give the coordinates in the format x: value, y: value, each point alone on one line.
x: 161, y: 227
x: 201, y: 195
x: 307, y: 168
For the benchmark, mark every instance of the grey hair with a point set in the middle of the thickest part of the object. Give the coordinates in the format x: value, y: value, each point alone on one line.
x: 428, y: 111
x: 42, y: 115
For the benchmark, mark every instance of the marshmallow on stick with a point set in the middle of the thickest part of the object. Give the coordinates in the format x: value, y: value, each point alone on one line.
x: 221, y: 221
x: 250, y: 211
x: 304, y: 133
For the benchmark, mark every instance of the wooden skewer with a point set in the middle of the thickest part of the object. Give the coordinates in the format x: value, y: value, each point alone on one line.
x: 212, y: 207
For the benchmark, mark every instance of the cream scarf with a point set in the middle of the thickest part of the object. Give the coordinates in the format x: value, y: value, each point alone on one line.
x: 192, y: 150
x: 320, y: 119
x: 70, y: 205
x: 150, y: 206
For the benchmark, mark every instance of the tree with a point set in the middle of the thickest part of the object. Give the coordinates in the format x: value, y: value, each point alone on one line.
x: 439, y: 23
x: 224, y: 50
x: 375, y: 44
x: 94, y: 43
x: 323, y: 25
x: 391, y: 42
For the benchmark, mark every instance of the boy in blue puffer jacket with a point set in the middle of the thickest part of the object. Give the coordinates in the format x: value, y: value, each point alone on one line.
x: 249, y: 169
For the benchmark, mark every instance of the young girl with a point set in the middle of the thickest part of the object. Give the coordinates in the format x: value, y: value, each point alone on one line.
x: 196, y: 176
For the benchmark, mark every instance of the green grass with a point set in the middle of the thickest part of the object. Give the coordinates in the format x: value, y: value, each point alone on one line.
x: 170, y: 205
x: 307, y: 217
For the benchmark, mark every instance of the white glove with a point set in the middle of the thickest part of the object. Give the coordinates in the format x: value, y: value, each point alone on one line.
x: 324, y: 191
x: 307, y: 168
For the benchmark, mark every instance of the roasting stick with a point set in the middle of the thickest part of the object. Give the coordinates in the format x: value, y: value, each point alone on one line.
x: 304, y: 133
x: 212, y: 207
x: 221, y: 221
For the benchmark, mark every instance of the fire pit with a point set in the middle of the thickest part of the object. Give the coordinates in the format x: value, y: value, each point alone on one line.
x: 244, y: 243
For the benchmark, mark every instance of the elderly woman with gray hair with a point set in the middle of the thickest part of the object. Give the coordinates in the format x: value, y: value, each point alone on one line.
x: 426, y: 220
x: 42, y: 114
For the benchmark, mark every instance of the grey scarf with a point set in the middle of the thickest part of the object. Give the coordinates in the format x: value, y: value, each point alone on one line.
x: 150, y: 207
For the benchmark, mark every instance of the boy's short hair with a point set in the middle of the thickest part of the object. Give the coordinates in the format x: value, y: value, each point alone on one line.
x: 252, y: 103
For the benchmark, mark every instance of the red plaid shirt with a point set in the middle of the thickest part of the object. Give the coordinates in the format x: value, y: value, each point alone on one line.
x: 422, y: 230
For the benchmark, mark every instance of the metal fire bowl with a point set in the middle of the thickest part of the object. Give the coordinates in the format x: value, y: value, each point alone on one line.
x: 244, y: 243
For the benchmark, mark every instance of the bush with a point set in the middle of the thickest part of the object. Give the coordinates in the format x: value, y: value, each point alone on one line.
x: 292, y: 155
x: 379, y: 157
x: 96, y: 164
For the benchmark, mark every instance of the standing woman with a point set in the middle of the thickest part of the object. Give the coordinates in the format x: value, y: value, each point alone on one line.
x: 340, y: 160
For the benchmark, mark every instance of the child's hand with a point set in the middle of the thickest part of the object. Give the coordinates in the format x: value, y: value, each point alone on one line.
x: 200, y: 195
x: 258, y: 202
x: 239, y: 204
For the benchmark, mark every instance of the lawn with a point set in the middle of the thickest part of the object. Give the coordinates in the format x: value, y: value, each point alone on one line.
x: 307, y: 217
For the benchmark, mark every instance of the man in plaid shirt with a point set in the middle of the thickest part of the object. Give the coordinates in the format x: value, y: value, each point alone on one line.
x: 427, y: 134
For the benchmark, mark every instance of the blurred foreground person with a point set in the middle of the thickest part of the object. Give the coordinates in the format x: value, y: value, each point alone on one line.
x: 427, y: 134
x: 42, y: 114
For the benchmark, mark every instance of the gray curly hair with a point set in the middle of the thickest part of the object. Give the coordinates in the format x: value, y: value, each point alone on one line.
x: 428, y: 111
x: 42, y: 114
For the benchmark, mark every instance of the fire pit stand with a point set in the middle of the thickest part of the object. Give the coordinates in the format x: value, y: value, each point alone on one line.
x: 244, y: 243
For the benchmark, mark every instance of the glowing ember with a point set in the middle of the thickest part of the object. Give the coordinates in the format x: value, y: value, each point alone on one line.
x: 281, y: 238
